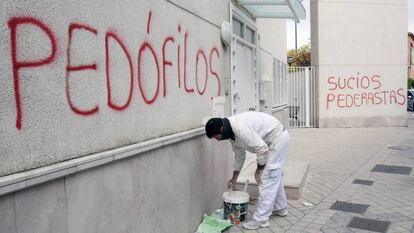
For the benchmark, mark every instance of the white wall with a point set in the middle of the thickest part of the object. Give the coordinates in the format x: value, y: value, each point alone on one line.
x: 360, y: 40
x: 273, y: 37
x: 164, y: 190
x: 272, y: 44
x: 145, y: 166
x: 49, y: 115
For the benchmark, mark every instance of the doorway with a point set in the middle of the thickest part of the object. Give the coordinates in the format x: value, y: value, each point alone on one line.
x: 244, y: 81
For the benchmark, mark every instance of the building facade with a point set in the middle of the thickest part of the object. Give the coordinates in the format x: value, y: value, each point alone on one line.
x: 410, y: 56
x: 359, y: 49
x: 102, y: 104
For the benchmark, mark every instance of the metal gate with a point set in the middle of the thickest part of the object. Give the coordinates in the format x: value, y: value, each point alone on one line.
x: 302, y: 96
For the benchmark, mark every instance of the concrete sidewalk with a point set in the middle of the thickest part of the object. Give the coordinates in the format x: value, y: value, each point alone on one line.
x: 338, y: 157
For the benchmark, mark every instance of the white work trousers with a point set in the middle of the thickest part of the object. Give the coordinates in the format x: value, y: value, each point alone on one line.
x: 272, y: 194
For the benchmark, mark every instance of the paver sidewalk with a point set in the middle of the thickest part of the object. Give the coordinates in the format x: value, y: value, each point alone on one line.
x: 338, y: 157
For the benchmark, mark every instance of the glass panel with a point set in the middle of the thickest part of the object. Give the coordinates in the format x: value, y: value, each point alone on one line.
x: 250, y: 35
x: 298, y: 9
x: 264, y: 2
x: 238, y: 28
x: 277, y: 11
x: 288, y: 9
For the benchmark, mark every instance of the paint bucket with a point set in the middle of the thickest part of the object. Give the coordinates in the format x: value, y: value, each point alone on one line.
x: 235, y: 206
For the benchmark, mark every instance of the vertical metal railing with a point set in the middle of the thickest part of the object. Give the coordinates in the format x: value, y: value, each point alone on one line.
x: 302, y: 96
x: 296, y: 88
x: 280, y: 86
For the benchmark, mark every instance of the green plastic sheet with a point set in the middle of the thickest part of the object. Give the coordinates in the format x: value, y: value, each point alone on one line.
x: 213, y: 225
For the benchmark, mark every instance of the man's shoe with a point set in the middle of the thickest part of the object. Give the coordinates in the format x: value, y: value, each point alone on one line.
x: 253, y: 224
x: 282, y: 213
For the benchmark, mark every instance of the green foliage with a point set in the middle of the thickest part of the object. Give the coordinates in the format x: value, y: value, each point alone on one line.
x: 410, y: 83
x: 302, y: 57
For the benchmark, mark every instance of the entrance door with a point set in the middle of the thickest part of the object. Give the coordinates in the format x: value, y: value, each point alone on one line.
x: 244, y: 81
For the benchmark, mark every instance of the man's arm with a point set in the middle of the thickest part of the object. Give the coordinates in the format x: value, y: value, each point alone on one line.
x: 258, y: 146
x: 239, y: 158
x: 233, y: 180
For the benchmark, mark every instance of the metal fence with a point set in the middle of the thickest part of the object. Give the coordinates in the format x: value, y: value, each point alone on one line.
x: 302, y: 96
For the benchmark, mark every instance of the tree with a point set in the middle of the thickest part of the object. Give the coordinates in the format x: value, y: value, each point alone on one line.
x: 300, y: 58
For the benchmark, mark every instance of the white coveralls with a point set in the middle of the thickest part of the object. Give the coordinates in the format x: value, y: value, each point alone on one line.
x: 265, y: 136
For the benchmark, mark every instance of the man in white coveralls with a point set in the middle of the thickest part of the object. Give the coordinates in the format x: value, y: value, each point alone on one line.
x: 265, y: 136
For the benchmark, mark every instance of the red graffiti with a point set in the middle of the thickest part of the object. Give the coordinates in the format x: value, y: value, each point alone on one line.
x: 374, y: 97
x: 146, y: 51
x: 131, y: 84
x: 149, y: 22
x: 178, y: 61
x: 165, y: 63
x: 205, y: 62
x: 70, y: 68
x: 185, y: 65
x: 13, y: 23
x: 354, y: 82
x: 214, y: 73
x: 145, y: 46
x: 178, y: 67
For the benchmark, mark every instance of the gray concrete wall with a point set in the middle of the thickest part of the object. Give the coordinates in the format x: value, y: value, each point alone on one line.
x: 74, y: 81
x: 82, y: 83
x: 92, y: 138
x: 359, y: 50
x: 164, y: 190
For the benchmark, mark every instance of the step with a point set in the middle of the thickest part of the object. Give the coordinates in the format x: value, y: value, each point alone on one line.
x: 295, y: 173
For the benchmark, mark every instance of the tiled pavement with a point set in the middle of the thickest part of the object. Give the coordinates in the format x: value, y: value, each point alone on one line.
x: 338, y: 157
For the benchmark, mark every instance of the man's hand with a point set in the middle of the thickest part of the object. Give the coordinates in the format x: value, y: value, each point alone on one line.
x: 258, y: 174
x: 232, y: 182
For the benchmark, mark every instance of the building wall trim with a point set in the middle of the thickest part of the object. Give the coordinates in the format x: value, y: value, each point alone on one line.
x: 22, y: 180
